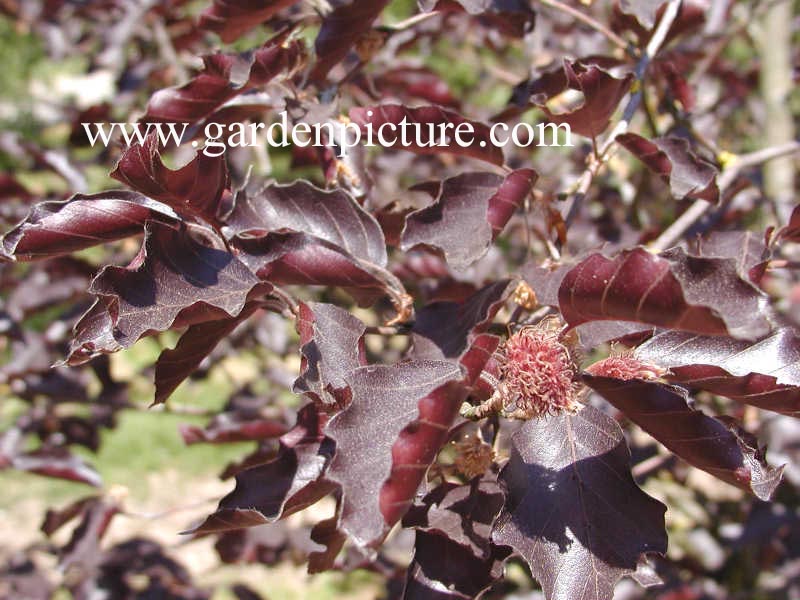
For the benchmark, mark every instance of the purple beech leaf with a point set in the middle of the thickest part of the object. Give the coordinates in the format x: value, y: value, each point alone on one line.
x: 415, y: 83
x: 672, y: 289
x: 545, y: 281
x: 58, y: 228
x: 301, y: 259
x: 333, y: 216
x: 224, y: 76
x: 82, y: 553
x: 93, y: 335
x: 573, y: 511
x: 55, y: 519
x: 385, y: 400
x: 745, y: 247
x: 452, y: 325
x: 139, y: 566
x: 57, y: 462
x: 513, y: 18
x: 430, y: 122
x: 195, y: 188
x: 290, y: 482
x: 644, y: 10
x: 791, y: 231
x: 300, y: 234
x: 332, y: 347
x: 765, y: 374
x: 327, y: 534
x: 198, y: 341
x: 600, y: 94
x: 453, y: 553
x: 469, y: 212
x: 342, y: 29
x: 671, y: 158
x: 175, y: 281
x: 231, y: 19
x: 402, y: 413
x: 717, y: 446
x: 224, y: 429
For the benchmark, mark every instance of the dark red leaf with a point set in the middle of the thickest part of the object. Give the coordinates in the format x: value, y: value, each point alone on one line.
x: 672, y: 289
x: 195, y: 188
x: 573, y: 511
x: 765, y: 373
x: 469, y: 212
x: 290, y: 482
x: 333, y: 216
x: 671, y: 158
x: 429, y: 121
x: 57, y: 462
x: 300, y: 259
x: 300, y: 234
x: 644, y: 10
x: 791, y: 231
x: 451, y: 326
x: 745, y: 247
x: 453, y: 553
x: 198, y: 341
x: 224, y: 77
x: 231, y: 19
x: 601, y: 94
x: 385, y: 400
x: 83, y: 221
x: 327, y: 534
x: 717, y: 446
x: 332, y: 347
x: 342, y: 29
x: 513, y: 17
x: 416, y: 83
x: 174, y: 276
x: 224, y: 429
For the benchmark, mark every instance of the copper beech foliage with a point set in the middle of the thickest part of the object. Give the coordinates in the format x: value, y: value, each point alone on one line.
x: 403, y: 271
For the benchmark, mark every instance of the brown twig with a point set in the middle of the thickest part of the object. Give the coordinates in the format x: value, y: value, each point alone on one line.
x: 600, y: 156
x: 587, y: 20
x: 674, y: 232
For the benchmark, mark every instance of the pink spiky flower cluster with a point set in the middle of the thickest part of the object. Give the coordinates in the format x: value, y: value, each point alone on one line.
x: 625, y: 366
x: 538, y: 374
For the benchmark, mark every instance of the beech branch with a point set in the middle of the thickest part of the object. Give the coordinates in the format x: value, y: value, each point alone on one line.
x: 672, y: 234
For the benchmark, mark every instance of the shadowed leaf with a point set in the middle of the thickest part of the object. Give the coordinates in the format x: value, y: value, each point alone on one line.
x: 332, y: 347
x: 342, y: 29
x: 717, y: 446
x: 573, y: 510
x: 670, y: 157
x: 469, y: 212
x: 290, y: 482
x: 231, y: 19
x: 175, y: 281
x: 386, y: 399
x: 453, y: 553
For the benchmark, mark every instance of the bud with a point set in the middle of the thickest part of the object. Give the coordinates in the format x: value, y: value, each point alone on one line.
x: 473, y: 456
